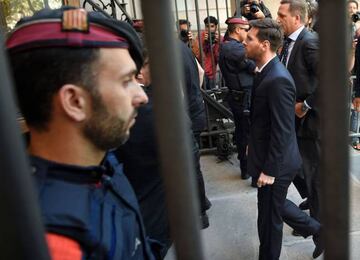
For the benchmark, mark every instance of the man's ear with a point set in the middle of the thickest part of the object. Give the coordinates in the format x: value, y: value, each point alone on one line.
x: 74, y: 101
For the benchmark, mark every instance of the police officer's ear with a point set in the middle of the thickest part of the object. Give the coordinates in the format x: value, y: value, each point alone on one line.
x: 74, y: 102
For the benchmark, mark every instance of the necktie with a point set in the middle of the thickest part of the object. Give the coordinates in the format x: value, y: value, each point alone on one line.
x: 285, y: 50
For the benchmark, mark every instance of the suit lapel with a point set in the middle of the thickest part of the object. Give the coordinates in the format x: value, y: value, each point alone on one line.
x: 296, y: 47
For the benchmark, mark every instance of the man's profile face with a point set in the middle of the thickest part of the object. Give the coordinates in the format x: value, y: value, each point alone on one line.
x: 286, y: 20
x: 115, y: 100
x: 252, y: 45
x: 352, y: 8
x: 183, y: 27
x: 212, y: 27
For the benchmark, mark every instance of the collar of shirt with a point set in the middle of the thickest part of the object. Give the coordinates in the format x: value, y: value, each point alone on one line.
x: 295, y: 34
x: 258, y: 70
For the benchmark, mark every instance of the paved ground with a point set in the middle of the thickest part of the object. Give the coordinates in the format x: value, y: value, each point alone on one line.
x: 232, y: 234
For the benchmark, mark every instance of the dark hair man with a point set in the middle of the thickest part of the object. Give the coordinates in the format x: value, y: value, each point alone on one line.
x: 300, y: 56
x: 75, y: 80
x: 210, y: 40
x: 273, y: 127
x: 238, y: 73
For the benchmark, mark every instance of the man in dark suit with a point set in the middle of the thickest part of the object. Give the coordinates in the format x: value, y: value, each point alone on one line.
x: 301, y: 59
x: 300, y: 56
x: 273, y: 157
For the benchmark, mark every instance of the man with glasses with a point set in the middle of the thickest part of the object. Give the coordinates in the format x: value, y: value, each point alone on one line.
x: 238, y: 73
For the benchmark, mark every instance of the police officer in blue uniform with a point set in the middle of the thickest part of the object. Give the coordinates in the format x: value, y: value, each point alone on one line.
x: 238, y: 73
x: 75, y: 80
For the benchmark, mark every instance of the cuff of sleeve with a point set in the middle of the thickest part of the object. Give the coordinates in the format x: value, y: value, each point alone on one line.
x: 307, y: 105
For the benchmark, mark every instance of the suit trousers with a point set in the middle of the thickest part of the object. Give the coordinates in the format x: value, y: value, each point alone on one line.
x: 271, y: 200
x: 310, y: 153
x: 299, y: 220
x: 242, y: 129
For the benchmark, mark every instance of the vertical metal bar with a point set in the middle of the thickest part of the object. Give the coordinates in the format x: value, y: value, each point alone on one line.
x: 177, y: 16
x: 209, y: 38
x: 227, y: 8
x: 134, y: 8
x: 238, y: 9
x: 187, y: 19
x: 22, y: 233
x: 218, y: 16
x: 186, y: 11
x: 199, y: 32
x: 174, y: 142
x: 334, y: 129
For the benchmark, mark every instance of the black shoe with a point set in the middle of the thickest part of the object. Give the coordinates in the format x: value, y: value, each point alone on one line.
x: 245, y: 176
x: 295, y: 233
x: 204, y: 221
x: 319, y: 247
x: 304, y: 205
x: 207, y: 203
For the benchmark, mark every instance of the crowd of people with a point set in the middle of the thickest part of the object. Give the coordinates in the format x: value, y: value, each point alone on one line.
x: 82, y: 78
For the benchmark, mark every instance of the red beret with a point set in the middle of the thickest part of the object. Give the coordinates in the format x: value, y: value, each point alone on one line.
x: 237, y: 20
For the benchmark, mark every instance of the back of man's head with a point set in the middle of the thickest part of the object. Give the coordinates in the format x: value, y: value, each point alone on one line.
x: 58, y: 47
x: 269, y: 30
x: 297, y: 7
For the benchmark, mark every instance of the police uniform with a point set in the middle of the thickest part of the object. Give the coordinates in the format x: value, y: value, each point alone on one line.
x: 238, y: 73
x: 95, y: 205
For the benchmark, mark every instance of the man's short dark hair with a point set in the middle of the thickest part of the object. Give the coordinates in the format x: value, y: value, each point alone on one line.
x: 40, y: 73
x: 268, y: 30
x: 297, y: 7
x: 211, y: 19
x: 355, y: 2
x: 184, y: 21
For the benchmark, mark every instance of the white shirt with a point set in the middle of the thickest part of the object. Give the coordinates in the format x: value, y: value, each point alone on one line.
x: 293, y: 38
x: 263, y: 66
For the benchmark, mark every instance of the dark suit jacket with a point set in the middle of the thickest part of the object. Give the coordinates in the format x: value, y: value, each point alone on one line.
x: 273, y: 147
x: 302, y: 65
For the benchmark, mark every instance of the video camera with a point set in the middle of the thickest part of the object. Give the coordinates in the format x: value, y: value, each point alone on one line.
x: 184, y: 35
x: 355, y: 17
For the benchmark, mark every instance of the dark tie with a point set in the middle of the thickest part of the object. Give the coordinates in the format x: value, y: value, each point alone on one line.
x: 285, y: 50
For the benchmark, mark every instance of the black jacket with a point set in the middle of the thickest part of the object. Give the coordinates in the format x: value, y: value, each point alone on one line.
x: 303, y: 67
x: 273, y: 147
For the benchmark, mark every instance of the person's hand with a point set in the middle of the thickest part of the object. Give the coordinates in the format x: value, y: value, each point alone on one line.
x: 206, y: 36
x: 246, y: 9
x: 356, y: 104
x: 298, y: 110
x: 265, y: 180
x: 216, y: 36
x: 259, y: 15
x: 190, y: 36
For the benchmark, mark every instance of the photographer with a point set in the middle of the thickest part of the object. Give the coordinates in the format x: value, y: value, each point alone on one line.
x: 210, y: 40
x: 254, y: 9
x: 186, y: 36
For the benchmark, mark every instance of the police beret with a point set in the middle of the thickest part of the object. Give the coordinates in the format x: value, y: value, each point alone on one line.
x: 237, y: 20
x: 212, y: 19
x: 76, y: 28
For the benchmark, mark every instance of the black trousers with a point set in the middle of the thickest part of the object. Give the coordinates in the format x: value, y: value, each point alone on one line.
x: 273, y: 210
x: 271, y: 200
x: 310, y: 153
x: 299, y: 220
x: 242, y: 130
